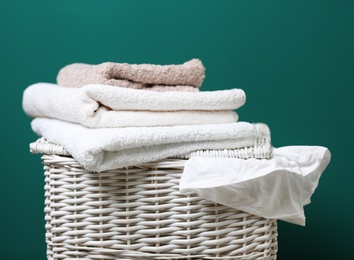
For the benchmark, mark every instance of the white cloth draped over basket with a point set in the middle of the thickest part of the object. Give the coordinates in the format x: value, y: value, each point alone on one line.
x: 277, y: 187
x: 137, y: 212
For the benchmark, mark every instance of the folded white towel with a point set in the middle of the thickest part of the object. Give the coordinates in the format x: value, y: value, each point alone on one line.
x: 109, y: 106
x: 100, y: 149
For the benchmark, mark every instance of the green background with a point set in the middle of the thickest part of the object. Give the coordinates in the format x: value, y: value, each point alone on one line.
x: 293, y: 59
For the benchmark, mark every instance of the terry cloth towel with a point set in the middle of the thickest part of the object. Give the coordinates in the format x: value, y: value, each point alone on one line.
x: 276, y: 188
x: 108, y: 106
x: 188, y: 76
x: 99, y: 149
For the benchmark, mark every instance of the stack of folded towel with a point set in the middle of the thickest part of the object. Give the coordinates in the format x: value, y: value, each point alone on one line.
x: 114, y: 115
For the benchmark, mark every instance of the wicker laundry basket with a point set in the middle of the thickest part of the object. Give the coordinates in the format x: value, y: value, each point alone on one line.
x: 138, y: 213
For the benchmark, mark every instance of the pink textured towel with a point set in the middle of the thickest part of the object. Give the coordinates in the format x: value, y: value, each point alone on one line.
x: 188, y: 76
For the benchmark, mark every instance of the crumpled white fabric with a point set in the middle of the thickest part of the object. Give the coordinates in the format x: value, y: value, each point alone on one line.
x: 276, y: 188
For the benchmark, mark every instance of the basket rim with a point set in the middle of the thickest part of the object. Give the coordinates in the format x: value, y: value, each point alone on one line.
x: 43, y: 146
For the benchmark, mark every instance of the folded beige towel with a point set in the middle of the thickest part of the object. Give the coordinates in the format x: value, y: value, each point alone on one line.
x: 188, y: 76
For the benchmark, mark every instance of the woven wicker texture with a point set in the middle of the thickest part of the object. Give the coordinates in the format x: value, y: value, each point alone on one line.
x: 138, y: 213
